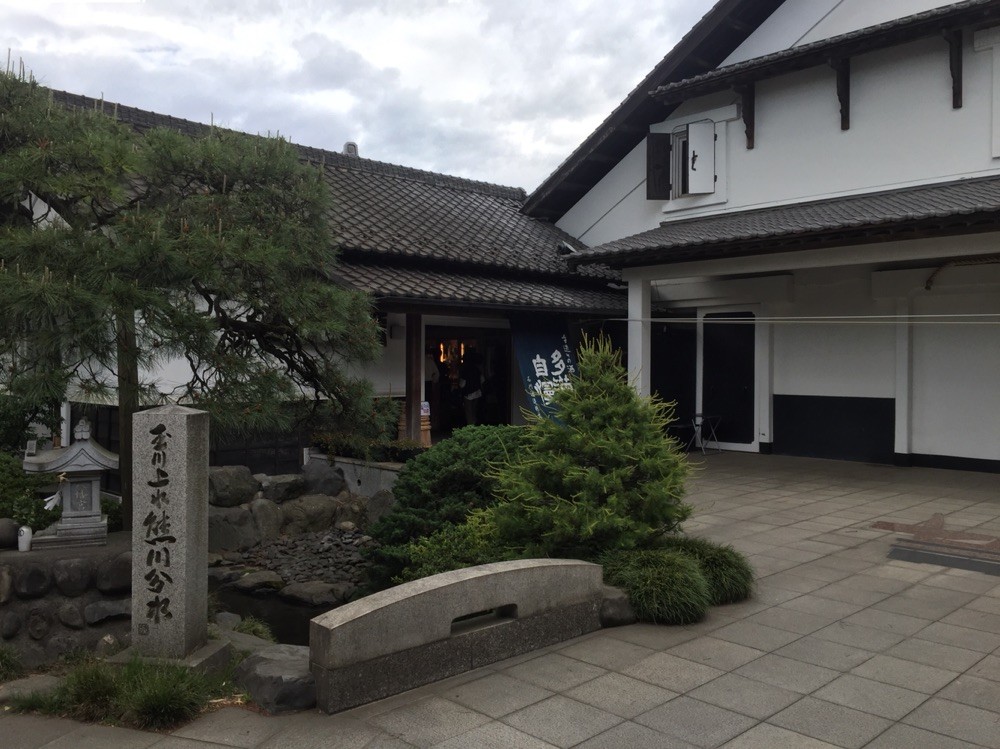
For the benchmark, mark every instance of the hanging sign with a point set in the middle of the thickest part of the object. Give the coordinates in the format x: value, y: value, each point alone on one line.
x: 547, y: 362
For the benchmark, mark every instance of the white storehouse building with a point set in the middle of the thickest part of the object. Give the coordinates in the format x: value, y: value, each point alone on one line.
x: 804, y: 200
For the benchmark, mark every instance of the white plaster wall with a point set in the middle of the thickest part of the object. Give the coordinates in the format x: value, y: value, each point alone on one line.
x: 388, y: 373
x: 903, y: 132
x: 833, y: 359
x: 955, y: 407
x: 799, y: 22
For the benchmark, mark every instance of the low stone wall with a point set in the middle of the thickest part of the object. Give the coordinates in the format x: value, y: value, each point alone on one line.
x: 447, y: 624
x: 53, y: 601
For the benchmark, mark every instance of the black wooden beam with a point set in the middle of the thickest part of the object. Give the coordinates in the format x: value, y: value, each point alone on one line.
x: 954, y: 39
x: 747, y: 109
x: 843, y: 68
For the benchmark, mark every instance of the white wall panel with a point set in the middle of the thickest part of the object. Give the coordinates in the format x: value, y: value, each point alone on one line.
x: 956, y: 379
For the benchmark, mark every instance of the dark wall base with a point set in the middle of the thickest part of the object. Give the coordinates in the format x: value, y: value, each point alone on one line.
x: 950, y: 462
x: 842, y: 428
x: 765, y: 448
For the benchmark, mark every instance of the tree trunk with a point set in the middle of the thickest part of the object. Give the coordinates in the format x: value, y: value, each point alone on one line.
x: 128, y: 404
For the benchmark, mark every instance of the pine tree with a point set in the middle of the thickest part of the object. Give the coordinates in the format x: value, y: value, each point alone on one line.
x: 209, y: 254
x: 603, y: 474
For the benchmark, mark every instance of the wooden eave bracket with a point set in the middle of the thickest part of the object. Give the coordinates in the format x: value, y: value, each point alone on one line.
x: 747, y: 92
x: 954, y: 39
x: 842, y: 66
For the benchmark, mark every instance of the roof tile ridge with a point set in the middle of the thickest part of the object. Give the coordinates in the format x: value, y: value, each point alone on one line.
x: 371, y: 166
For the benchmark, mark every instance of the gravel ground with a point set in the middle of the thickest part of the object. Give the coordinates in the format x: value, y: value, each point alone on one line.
x: 333, y: 556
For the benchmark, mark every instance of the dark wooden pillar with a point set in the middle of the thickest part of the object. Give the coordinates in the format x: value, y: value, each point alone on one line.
x: 414, y: 362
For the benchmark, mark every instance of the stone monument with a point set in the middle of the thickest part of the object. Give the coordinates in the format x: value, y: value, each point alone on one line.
x: 80, y: 467
x: 170, y: 535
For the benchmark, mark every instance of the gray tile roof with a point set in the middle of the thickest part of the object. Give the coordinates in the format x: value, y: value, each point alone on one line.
x: 419, y: 230
x: 944, y: 208
x: 483, y: 291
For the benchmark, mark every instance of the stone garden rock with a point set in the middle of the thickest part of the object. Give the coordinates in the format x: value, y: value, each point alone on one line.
x: 69, y: 614
x: 37, y: 683
x: 244, y: 643
x: 229, y: 486
x: 312, y: 593
x: 61, y: 644
x: 106, y: 608
x: 284, y: 487
x: 331, y: 556
x: 313, y: 512
x: 351, y: 509
x: 379, y: 504
x: 322, y: 478
x: 231, y: 529
x: 267, y: 518
x: 32, y: 580
x: 278, y: 678
x: 8, y: 533
x: 227, y: 619
x: 260, y: 582
x: 39, y: 623
x: 73, y: 576
x: 6, y: 584
x: 616, y: 610
x: 108, y: 646
x: 114, y: 575
x: 10, y: 624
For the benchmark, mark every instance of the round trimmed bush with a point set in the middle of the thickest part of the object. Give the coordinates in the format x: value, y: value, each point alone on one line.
x: 663, y: 586
x: 729, y: 574
x: 439, y: 487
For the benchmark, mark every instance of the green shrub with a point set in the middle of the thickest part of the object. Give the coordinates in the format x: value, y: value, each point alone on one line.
x: 10, y: 665
x: 28, y: 509
x: 15, y: 483
x: 160, y: 696
x: 455, y: 546
x: 663, y: 586
x: 251, y: 625
x: 439, y: 487
x: 138, y: 694
x: 603, y: 474
x: 112, y: 508
x: 729, y: 574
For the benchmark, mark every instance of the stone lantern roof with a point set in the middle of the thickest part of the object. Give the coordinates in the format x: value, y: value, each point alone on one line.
x: 82, y: 455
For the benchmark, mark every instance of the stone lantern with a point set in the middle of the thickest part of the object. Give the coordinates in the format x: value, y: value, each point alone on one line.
x: 79, y: 467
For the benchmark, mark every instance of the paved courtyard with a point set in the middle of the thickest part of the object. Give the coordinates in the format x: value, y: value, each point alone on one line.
x: 841, y: 647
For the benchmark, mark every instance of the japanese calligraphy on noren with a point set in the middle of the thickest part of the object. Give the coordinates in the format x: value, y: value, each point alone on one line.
x: 156, y: 530
x: 547, y: 365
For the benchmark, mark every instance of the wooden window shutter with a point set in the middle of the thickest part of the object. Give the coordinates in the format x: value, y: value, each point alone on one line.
x: 658, y: 166
x: 701, y: 157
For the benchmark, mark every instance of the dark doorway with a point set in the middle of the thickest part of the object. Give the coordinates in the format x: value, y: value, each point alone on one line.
x: 448, y: 350
x: 673, y: 357
x: 728, y: 374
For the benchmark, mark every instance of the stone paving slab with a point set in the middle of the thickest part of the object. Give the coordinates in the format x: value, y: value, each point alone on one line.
x: 840, y: 647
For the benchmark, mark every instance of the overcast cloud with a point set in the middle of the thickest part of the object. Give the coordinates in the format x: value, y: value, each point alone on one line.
x: 495, y: 90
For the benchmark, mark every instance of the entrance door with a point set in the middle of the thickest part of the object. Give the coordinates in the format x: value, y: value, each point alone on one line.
x: 728, y: 376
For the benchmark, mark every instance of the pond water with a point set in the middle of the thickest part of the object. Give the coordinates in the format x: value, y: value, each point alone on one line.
x: 288, y: 621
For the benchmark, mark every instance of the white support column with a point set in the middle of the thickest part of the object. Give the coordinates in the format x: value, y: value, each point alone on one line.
x: 639, y: 312
x: 904, y: 337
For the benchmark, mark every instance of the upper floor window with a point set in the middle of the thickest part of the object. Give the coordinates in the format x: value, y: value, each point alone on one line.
x: 681, y: 162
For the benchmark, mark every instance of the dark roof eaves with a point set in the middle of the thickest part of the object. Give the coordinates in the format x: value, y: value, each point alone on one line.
x: 639, y: 95
x: 619, y: 257
x: 957, y: 11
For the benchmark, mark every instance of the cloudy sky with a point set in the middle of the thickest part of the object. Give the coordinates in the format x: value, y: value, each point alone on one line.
x: 496, y: 90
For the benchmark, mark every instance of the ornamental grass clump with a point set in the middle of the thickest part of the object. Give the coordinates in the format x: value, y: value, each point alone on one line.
x: 603, y: 474
x: 10, y: 664
x: 137, y: 694
x: 663, y: 586
x: 729, y: 574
